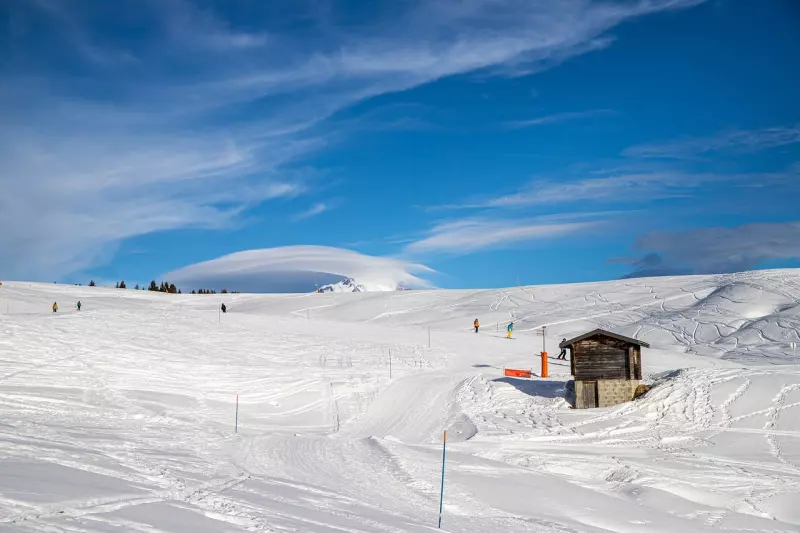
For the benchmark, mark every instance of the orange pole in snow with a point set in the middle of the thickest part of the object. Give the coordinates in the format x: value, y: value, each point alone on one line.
x: 544, y: 364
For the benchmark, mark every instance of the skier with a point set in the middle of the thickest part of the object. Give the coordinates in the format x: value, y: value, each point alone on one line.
x: 510, y: 329
x: 563, y: 354
x: 79, y: 305
x: 476, y: 324
x: 224, y: 309
x: 55, y: 307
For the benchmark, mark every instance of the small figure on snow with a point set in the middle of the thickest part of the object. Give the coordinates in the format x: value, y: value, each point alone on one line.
x: 510, y: 329
x: 563, y: 354
x: 79, y: 305
x: 224, y: 309
x: 55, y: 307
x: 476, y: 324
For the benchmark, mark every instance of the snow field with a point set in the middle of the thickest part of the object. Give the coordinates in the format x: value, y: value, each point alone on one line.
x: 120, y: 417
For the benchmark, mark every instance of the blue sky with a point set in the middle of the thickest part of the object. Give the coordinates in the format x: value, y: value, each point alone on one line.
x: 492, y: 141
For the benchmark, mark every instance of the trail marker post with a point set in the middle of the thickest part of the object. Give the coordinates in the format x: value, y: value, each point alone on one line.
x: 441, y: 493
x: 543, y: 333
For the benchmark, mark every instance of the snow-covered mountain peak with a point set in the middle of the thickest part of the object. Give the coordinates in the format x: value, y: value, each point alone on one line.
x: 346, y: 285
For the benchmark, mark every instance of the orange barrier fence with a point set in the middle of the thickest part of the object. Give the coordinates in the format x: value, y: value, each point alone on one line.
x: 517, y: 373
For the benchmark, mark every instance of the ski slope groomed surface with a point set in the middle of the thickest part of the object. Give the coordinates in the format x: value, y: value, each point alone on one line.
x: 121, y: 417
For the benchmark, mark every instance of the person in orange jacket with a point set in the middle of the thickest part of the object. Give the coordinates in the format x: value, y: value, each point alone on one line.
x: 55, y: 307
x: 476, y: 324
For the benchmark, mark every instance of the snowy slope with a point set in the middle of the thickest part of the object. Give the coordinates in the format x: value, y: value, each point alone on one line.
x: 121, y: 417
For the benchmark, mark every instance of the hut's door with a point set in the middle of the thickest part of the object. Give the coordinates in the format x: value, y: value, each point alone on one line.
x: 590, y: 394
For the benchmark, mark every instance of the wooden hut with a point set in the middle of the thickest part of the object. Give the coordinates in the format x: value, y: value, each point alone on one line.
x: 607, y: 368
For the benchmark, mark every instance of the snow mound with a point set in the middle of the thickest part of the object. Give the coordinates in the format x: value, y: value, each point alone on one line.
x: 749, y: 300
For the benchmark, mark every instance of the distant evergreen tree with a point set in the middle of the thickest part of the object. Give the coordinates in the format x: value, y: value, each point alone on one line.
x: 122, y: 285
x: 179, y: 291
x: 91, y: 283
x: 193, y: 291
x: 136, y: 288
x: 117, y: 285
x: 224, y: 291
x: 173, y: 289
x: 153, y: 286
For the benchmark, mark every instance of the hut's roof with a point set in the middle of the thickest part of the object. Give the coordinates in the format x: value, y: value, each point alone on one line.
x: 592, y: 333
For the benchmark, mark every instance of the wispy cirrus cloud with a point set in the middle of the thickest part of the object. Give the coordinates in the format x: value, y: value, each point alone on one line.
x: 204, y: 115
x: 619, y: 187
x: 470, y: 235
x: 558, y: 117
x: 714, y: 250
x: 316, y: 210
x: 736, y: 141
x: 627, y: 184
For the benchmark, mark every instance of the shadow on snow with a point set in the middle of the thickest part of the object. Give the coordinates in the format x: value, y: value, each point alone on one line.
x: 544, y: 389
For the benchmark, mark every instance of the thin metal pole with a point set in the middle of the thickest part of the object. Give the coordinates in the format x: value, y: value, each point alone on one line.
x: 236, y: 426
x: 544, y: 337
x: 441, y: 493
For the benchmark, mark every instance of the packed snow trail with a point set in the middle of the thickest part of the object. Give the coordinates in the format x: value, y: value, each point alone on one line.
x: 120, y: 417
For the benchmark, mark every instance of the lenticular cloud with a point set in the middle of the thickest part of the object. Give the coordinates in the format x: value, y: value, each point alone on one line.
x: 299, y: 269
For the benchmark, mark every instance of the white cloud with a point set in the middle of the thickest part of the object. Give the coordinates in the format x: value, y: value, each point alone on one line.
x: 297, y: 268
x: 67, y: 206
x: 558, y: 117
x: 473, y: 234
x: 315, y: 210
x: 624, y: 186
x: 198, y: 119
x: 715, y: 250
x: 736, y: 141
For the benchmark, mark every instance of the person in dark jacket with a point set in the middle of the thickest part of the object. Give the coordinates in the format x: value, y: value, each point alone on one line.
x: 79, y: 305
x: 55, y: 307
x: 477, y: 325
x: 563, y: 354
x: 224, y: 309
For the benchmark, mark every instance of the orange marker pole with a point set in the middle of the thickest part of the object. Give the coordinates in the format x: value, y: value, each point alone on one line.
x: 544, y: 364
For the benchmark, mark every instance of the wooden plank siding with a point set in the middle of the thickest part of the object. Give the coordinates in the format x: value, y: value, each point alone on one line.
x: 637, y: 362
x: 601, y: 357
x: 590, y: 394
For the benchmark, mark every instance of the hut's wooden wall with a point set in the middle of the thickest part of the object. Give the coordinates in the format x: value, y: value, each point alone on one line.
x: 602, y: 357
